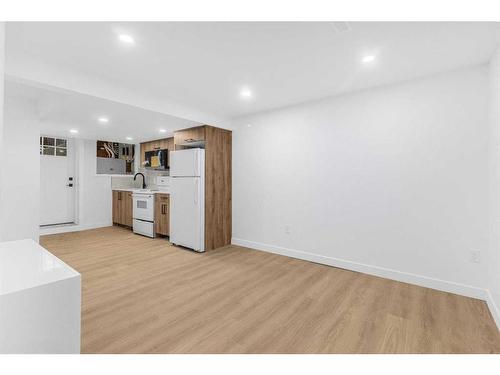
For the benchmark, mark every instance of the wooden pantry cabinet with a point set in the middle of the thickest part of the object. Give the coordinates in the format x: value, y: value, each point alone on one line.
x: 217, y: 143
x: 122, y: 208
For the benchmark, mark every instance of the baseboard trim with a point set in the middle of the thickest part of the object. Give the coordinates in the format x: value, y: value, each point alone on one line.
x: 494, y: 309
x: 410, y: 278
x: 72, y: 228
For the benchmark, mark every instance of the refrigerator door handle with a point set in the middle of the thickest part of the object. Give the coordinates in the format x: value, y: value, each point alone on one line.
x: 195, y: 159
x: 196, y: 192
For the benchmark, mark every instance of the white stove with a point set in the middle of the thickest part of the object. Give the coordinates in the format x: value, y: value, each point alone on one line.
x: 144, y: 207
x: 143, y: 212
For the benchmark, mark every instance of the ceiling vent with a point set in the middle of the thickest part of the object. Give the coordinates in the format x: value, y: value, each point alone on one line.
x: 341, y: 27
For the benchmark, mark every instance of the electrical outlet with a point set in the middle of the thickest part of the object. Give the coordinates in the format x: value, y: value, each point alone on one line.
x: 287, y: 229
x: 475, y: 256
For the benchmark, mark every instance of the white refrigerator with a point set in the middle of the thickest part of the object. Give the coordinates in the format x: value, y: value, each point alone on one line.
x: 187, y: 198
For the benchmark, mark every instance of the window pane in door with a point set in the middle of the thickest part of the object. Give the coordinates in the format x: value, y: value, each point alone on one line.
x: 60, y: 151
x: 60, y: 142
x: 47, y: 150
x: 48, y: 141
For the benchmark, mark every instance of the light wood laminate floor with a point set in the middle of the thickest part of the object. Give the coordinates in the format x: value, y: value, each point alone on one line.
x: 142, y: 295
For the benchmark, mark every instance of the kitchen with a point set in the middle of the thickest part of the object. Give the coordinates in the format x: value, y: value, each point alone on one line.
x: 172, y: 187
x: 192, y: 205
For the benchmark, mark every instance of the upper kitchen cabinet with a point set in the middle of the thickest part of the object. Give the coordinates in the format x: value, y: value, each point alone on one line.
x: 152, y: 153
x: 192, y: 137
x: 171, y: 147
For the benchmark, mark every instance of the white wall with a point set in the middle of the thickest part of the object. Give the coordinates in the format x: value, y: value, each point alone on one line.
x: 494, y: 256
x: 20, y: 160
x: 391, y: 181
x: 2, y: 75
x: 94, y: 192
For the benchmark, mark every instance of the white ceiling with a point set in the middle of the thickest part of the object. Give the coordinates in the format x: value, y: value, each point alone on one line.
x: 205, y: 65
x: 60, y: 111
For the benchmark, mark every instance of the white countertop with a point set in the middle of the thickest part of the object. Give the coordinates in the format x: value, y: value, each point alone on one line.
x: 132, y: 190
x: 25, y: 264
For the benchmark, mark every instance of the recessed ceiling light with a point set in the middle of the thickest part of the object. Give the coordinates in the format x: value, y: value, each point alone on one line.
x: 103, y: 120
x: 74, y: 131
x: 368, y: 59
x: 246, y: 93
x: 126, y: 39
x: 163, y: 130
x: 249, y: 125
x: 128, y: 138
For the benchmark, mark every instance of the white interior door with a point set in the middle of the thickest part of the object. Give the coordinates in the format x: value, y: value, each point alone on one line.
x: 185, y: 212
x: 57, y: 185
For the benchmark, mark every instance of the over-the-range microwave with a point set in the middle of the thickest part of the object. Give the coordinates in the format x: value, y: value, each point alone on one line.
x: 156, y: 159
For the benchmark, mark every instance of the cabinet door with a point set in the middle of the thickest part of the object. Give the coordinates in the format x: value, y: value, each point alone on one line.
x: 117, y: 207
x: 162, y: 214
x: 144, y: 147
x: 189, y: 135
x: 170, y: 143
x: 170, y: 147
x: 148, y: 146
x: 163, y: 143
x: 198, y: 134
x: 156, y: 145
x: 121, y: 200
x: 127, y: 211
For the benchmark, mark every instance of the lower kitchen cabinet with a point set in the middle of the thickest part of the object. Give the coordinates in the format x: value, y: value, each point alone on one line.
x: 127, y: 214
x: 122, y: 208
x: 162, y: 214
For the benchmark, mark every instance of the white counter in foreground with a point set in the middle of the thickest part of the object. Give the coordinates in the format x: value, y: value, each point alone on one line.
x: 40, y: 301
